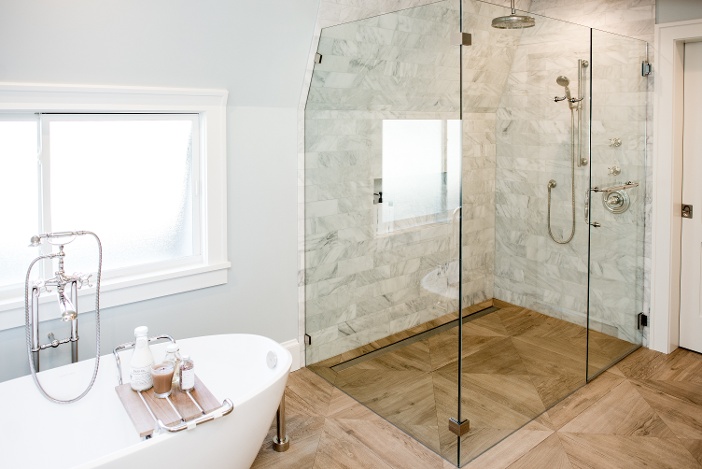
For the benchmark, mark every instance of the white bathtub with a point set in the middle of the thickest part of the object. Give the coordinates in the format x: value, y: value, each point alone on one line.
x: 97, y: 432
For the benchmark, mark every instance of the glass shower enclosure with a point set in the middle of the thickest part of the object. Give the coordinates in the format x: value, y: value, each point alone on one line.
x: 474, y: 216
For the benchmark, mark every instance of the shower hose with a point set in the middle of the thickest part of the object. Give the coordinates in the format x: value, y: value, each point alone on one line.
x: 552, y: 184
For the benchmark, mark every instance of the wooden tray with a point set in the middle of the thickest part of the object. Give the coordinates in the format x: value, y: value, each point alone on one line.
x: 142, y: 419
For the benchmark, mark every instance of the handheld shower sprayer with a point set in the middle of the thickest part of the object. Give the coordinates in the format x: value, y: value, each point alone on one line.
x: 564, y: 82
x: 572, y: 102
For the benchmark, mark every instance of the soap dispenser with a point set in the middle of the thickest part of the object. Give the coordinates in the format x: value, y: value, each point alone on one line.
x: 142, y: 360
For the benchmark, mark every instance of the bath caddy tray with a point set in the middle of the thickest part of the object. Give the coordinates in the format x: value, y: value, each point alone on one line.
x: 179, y: 411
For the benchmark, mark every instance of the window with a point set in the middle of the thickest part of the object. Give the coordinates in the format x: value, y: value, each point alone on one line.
x: 143, y: 169
x: 420, y: 168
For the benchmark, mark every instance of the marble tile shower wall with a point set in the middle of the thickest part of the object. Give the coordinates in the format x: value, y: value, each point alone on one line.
x: 360, y: 285
x: 533, y: 147
x: 632, y: 18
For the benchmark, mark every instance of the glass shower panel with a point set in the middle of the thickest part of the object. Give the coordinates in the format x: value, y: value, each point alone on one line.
x: 617, y: 204
x: 529, y: 353
x: 382, y: 189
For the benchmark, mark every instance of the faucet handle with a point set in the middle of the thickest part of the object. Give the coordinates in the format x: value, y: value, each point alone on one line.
x: 83, y: 280
x: 41, y: 286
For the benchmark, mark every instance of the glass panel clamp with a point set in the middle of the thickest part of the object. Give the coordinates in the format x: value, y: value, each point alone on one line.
x: 457, y: 428
x: 461, y: 39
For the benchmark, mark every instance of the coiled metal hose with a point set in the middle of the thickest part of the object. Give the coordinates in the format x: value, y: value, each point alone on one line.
x: 552, y: 184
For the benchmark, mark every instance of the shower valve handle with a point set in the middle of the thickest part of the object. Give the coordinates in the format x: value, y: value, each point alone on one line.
x: 83, y: 280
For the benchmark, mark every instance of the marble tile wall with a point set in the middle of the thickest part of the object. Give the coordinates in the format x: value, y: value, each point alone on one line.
x: 361, y: 285
x: 534, y: 147
x: 356, y: 287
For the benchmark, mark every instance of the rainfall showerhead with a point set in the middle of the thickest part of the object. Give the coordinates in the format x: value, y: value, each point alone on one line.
x: 513, y: 21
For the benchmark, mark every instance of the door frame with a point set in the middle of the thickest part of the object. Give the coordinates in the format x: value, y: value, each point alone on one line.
x: 664, y: 334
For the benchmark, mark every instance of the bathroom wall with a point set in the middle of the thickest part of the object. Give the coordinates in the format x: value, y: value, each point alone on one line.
x: 255, y: 50
x: 678, y: 10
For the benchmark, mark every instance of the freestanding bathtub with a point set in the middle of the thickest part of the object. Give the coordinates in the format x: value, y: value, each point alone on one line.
x: 97, y: 432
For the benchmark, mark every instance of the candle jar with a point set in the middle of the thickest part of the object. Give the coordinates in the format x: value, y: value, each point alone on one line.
x: 162, y: 375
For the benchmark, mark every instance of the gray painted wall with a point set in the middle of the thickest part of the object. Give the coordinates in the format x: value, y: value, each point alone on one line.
x: 257, y: 51
x: 678, y: 10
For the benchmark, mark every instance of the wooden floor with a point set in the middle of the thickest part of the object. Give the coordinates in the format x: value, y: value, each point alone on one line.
x: 645, y: 411
x: 516, y: 363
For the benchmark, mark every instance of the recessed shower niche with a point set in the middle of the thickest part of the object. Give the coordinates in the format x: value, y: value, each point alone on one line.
x: 427, y: 192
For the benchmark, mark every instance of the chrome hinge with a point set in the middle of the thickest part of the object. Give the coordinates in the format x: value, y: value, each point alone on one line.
x: 317, y: 58
x: 641, y: 320
x: 308, y: 339
x: 686, y: 211
x: 646, y: 68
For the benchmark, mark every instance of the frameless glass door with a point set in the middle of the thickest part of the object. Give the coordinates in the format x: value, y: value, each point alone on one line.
x: 617, y: 198
x: 529, y: 353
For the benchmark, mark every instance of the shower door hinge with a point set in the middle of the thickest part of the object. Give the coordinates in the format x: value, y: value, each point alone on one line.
x: 317, y: 58
x: 308, y: 339
x: 645, y: 68
x: 459, y: 429
x: 461, y: 39
x: 686, y: 211
x: 641, y: 321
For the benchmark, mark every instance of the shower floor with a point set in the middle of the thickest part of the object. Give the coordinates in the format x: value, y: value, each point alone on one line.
x: 516, y: 363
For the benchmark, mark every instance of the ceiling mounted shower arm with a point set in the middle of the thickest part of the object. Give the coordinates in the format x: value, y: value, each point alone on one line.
x: 513, y: 21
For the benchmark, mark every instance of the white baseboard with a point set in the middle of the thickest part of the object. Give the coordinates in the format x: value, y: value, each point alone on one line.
x: 293, y: 347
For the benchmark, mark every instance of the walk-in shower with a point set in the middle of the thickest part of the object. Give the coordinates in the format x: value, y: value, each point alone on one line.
x: 447, y: 308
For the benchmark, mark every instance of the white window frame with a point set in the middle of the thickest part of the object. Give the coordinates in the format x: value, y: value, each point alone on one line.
x: 210, y: 105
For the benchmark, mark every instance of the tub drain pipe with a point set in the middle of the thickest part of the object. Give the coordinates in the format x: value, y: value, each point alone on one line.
x: 281, y: 442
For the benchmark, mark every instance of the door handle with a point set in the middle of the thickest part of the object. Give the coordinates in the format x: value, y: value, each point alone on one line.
x: 587, y: 205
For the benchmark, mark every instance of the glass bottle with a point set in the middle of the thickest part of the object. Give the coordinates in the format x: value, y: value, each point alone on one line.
x: 142, y: 359
x: 173, y: 355
x: 187, y: 373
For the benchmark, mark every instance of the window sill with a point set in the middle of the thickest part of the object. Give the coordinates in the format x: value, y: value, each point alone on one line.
x: 123, y: 290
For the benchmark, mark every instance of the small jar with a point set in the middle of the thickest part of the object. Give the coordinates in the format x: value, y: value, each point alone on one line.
x: 187, y: 373
x: 173, y: 356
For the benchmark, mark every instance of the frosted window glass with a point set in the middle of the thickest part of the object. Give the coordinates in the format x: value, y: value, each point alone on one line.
x: 129, y: 181
x: 18, y: 196
x: 421, y: 162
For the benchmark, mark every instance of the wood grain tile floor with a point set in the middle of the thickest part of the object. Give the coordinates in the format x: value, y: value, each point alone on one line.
x: 516, y: 363
x: 645, y: 411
